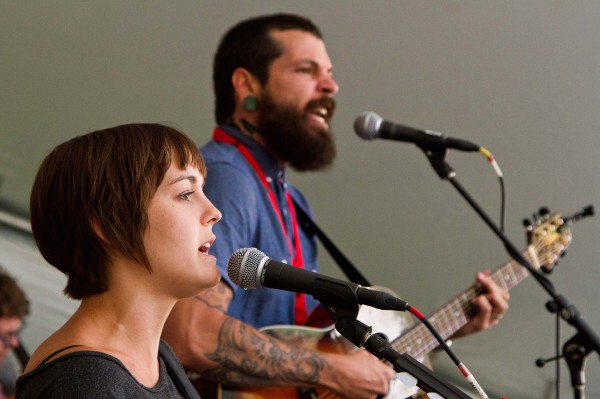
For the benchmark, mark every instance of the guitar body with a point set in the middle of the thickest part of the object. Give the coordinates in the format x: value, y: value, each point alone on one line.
x: 318, y: 339
x: 327, y: 340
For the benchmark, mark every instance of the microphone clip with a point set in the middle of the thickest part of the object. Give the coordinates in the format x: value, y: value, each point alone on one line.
x: 437, y: 158
x: 335, y: 297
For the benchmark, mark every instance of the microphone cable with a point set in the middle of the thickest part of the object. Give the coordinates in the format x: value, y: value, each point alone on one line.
x: 496, y: 168
x: 461, y: 367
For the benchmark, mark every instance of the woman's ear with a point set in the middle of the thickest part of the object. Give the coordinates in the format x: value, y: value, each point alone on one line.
x: 97, y: 228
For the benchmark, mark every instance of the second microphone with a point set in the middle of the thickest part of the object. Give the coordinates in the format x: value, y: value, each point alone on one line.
x: 250, y: 268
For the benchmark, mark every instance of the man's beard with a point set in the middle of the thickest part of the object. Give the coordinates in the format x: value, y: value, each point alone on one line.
x: 290, y: 139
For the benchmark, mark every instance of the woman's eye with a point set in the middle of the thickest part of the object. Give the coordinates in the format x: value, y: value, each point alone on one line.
x: 186, y: 196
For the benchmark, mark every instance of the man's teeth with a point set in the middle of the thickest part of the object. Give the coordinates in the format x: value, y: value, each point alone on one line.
x: 205, y: 247
x: 321, y: 111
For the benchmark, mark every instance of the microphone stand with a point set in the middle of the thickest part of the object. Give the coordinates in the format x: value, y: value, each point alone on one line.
x: 575, y: 351
x: 586, y: 339
x: 360, y: 335
x: 342, y: 304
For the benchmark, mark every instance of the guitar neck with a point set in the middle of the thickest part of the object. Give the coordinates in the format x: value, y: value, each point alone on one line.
x: 419, y: 341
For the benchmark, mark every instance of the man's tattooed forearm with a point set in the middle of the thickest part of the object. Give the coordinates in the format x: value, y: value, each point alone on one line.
x: 248, y: 357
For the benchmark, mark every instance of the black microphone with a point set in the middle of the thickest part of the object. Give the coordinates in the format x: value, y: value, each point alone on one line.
x: 249, y: 268
x: 369, y: 126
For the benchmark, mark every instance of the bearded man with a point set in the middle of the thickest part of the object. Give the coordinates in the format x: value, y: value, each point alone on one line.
x: 274, y: 102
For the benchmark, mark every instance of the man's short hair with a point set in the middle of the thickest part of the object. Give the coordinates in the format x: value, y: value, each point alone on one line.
x: 105, y: 178
x: 249, y: 45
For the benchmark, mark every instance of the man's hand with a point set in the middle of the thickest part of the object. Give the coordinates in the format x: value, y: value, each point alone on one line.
x: 357, y: 375
x: 489, y: 306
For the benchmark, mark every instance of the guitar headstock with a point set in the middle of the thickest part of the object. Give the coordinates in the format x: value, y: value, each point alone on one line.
x: 548, y: 237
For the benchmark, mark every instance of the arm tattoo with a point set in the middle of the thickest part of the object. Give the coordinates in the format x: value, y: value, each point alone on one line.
x: 217, y: 297
x: 246, y: 356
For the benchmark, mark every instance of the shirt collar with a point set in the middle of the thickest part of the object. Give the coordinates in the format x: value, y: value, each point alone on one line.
x: 269, y: 165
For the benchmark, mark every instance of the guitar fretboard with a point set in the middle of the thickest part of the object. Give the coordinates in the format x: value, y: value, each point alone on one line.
x: 418, y: 341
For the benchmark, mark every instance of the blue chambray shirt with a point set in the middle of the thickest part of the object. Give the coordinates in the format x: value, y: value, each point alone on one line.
x: 249, y: 220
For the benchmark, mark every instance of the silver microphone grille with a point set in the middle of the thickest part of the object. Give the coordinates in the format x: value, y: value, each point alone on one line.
x: 367, y: 125
x: 243, y: 267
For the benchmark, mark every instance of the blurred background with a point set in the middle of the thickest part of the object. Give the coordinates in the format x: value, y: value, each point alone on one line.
x: 521, y: 79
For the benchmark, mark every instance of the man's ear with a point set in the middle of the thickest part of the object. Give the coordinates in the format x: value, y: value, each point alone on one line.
x: 244, y: 84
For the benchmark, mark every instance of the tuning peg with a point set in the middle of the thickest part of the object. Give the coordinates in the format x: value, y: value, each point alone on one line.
x: 585, y: 212
x: 528, y: 230
x: 544, y: 211
x: 548, y: 270
x: 588, y: 211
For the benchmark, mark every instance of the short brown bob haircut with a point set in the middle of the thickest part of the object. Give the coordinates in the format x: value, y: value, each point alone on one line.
x: 108, y: 176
